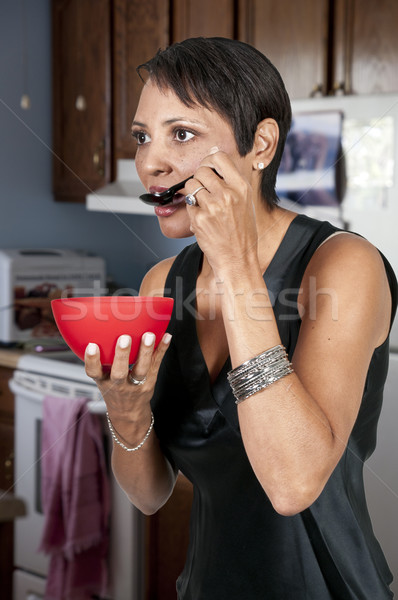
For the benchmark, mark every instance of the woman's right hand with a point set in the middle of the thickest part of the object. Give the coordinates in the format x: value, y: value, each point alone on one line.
x: 146, y: 476
x: 128, y: 403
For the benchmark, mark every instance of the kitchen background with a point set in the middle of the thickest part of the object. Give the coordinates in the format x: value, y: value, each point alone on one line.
x: 322, y: 48
x: 29, y: 216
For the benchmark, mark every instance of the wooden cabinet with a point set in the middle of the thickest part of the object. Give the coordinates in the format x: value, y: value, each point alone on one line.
x: 139, y: 29
x: 97, y: 45
x: 294, y: 36
x: 321, y: 47
x: 167, y: 543
x: 324, y: 47
x: 6, y: 480
x: 6, y: 430
x: 81, y: 97
x: 206, y: 18
x: 365, y: 46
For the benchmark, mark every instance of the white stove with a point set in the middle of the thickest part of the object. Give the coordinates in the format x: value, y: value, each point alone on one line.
x: 62, y: 374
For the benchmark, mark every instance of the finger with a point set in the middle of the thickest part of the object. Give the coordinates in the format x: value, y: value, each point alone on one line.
x: 199, y: 192
x: 214, y: 186
x: 92, y: 362
x: 224, y: 192
x: 218, y: 165
x: 144, y: 358
x: 206, y: 176
x: 160, y: 352
x: 120, y: 365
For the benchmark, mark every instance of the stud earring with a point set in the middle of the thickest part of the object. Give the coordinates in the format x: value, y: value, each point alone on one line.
x: 260, y: 166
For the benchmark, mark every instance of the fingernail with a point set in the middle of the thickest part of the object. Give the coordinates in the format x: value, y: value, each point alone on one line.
x: 213, y: 150
x: 149, y: 339
x: 92, y: 349
x: 124, y: 341
x: 167, y: 338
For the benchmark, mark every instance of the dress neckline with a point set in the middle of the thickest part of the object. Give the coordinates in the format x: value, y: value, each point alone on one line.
x: 199, y: 358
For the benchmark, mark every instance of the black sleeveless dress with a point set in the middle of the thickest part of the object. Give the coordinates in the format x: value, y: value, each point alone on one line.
x: 240, y: 548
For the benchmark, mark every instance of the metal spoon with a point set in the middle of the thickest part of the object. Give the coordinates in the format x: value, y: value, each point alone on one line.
x: 161, y: 198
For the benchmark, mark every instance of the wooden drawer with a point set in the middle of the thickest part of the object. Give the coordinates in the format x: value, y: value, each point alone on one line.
x: 6, y: 395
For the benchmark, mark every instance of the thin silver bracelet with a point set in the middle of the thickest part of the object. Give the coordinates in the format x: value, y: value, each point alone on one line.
x: 259, y: 372
x: 120, y: 443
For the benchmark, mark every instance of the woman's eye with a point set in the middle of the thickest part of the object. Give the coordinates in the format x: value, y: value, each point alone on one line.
x: 183, y: 135
x: 141, y: 137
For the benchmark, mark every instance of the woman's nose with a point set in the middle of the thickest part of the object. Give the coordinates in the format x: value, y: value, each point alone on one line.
x: 156, y: 158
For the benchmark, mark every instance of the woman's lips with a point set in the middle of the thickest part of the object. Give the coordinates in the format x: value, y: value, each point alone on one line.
x: 169, y: 209
x: 157, y: 189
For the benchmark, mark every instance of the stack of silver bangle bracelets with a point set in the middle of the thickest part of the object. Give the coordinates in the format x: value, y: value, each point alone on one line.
x: 259, y: 372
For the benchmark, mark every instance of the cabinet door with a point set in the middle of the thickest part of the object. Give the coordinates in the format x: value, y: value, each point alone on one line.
x: 81, y: 97
x: 6, y: 430
x: 206, y: 18
x: 167, y: 542
x: 6, y: 395
x: 6, y: 455
x: 294, y: 36
x: 366, y: 46
x: 139, y: 30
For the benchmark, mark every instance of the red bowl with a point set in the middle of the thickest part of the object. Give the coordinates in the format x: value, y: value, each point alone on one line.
x: 102, y: 319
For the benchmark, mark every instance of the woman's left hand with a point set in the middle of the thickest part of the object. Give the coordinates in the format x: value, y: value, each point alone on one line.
x: 223, y: 220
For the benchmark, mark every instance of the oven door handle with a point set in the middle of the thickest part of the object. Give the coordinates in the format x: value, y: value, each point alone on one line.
x: 94, y: 406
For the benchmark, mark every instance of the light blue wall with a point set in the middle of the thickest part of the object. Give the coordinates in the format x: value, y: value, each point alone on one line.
x: 29, y: 217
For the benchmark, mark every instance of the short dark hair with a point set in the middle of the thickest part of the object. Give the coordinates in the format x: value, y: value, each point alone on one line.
x: 234, y: 79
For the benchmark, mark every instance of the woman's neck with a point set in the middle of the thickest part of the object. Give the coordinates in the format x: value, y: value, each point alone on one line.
x: 271, y: 228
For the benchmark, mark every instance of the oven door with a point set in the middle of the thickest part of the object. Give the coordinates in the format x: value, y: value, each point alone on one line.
x: 126, y: 552
x: 27, y: 586
x: 28, y: 530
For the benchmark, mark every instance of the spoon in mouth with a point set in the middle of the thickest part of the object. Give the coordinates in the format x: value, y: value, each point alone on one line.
x: 162, y: 198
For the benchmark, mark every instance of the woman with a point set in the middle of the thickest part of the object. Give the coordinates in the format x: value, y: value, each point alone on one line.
x: 274, y: 448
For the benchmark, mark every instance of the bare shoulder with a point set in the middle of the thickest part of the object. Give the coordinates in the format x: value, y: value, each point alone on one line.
x: 154, y: 281
x: 346, y: 254
x: 351, y: 270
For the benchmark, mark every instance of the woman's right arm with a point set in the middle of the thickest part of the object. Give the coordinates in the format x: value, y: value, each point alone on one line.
x: 145, y: 474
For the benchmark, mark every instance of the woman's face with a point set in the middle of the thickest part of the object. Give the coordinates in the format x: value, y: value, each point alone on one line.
x: 172, y: 141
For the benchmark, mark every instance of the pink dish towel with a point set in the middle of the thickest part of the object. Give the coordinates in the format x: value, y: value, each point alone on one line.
x: 76, y: 500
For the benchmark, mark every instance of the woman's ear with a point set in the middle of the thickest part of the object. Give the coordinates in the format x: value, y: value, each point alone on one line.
x: 265, y: 143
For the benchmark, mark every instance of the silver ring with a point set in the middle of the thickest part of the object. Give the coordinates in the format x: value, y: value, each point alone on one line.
x: 190, y: 198
x: 136, y: 381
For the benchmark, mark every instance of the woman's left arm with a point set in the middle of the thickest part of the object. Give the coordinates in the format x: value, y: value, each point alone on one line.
x: 294, y: 431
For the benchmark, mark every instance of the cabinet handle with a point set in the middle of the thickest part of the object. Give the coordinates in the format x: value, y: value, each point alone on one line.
x: 317, y: 90
x: 339, y: 88
x: 9, y: 467
x: 97, y: 158
x: 80, y: 103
